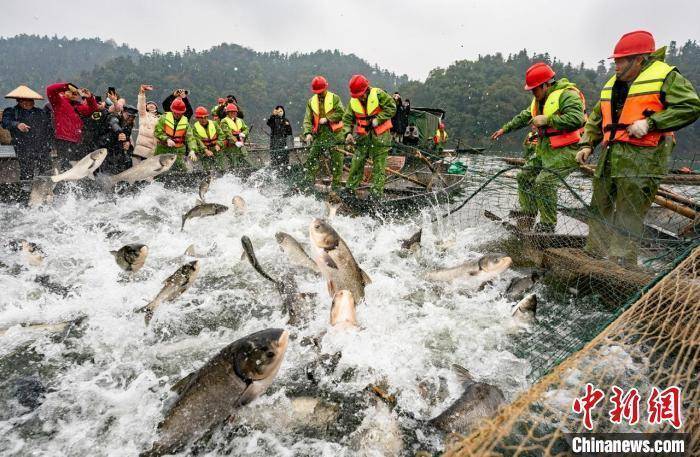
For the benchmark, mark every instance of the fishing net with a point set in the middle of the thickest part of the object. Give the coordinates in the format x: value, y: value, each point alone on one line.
x: 628, y: 316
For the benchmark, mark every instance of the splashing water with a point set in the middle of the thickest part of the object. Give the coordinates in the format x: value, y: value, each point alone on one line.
x: 108, y: 381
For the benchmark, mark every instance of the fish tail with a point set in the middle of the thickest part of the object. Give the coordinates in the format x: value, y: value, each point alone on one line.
x: 184, y: 219
x: 148, y: 311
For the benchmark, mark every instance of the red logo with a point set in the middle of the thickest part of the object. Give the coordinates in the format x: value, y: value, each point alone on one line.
x: 665, y: 405
x: 586, y: 403
x: 626, y: 406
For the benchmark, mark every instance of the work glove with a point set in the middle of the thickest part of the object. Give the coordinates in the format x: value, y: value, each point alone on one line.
x: 349, y: 139
x: 638, y: 128
x: 375, y: 122
x: 239, y: 144
x: 540, y: 120
x: 217, y: 148
x: 170, y: 143
x: 309, y: 138
x: 208, y: 153
x: 192, y: 156
x: 583, y: 154
x: 241, y: 135
x: 322, y: 121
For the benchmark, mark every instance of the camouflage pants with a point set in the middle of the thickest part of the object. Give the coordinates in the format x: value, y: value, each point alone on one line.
x: 325, y: 142
x: 374, y: 148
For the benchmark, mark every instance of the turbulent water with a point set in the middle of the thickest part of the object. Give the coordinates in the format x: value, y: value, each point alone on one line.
x: 102, y: 388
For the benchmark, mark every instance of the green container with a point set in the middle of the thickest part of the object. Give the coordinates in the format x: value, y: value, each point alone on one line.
x: 457, y: 168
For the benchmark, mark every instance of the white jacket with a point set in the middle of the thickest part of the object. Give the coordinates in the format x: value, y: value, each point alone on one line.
x: 145, y: 142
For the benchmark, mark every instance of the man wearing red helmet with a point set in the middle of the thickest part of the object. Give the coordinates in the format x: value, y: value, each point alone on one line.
x: 323, y: 127
x: 206, y: 139
x: 234, y: 130
x: 171, y: 132
x: 640, y: 107
x: 557, y: 114
x: 367, y: 124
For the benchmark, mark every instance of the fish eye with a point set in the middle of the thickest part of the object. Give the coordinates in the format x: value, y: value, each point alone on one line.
x: 270, y: 354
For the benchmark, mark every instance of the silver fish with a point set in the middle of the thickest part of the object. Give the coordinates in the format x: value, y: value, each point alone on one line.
x: 203, y: 210
x: 144, y: 170
x: 478, y: 401
x: 526, y: 309
x: 57, y: 327
x: 236, y: 376
x: 84, y: 168
x: 174, y: 286
x: 204, y: 186
x: 518, y: 287
x: 337, y: 264
x: 131, y: 257
x: 295, y: 252
x: 41, y: 192
x: 413, y: 243
x: 239, y: 204
x: 473, y: 273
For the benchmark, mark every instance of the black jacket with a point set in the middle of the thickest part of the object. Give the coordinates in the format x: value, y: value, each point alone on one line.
x: 188, y: 108
x: 118, y: 159
x: 95, y: 130
x: 37, y: 141
x: 280, y: 129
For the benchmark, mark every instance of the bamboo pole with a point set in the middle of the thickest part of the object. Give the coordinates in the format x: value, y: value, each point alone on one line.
x: 665, y: 197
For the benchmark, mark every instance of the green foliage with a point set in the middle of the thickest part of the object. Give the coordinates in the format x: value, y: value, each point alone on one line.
x: 38, y: 61
x: 480, y: 96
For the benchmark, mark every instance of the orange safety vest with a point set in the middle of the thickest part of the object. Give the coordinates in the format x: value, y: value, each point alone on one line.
x: 208, y: 135
x: 440, y: 137
x: 328, y: 107
x: 363, y: 114
x: 175, y: 132
x: 557, y: 138
x: 643, y: 100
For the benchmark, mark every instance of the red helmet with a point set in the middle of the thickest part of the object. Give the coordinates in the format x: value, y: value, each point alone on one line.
x: 318, y: 84
x: 538, y: 74
x: 231, y: 108
x: 633, y: 43
x: 220, y: 100
x: 178, y: 106
x: 358, y: 85
x: 201, y: 112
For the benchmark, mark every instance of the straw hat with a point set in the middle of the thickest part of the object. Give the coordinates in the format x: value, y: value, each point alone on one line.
x: 24, y: 92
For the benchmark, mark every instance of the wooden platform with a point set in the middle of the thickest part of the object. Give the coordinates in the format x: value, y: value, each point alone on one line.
x: 578, y: 269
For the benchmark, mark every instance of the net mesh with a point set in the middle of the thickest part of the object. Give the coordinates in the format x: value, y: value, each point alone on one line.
x: 631, y: 320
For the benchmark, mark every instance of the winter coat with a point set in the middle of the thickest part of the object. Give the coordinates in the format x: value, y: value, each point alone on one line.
x: 280, y: 129
x: 68, y: 125
x: 37, y: 140
x: 146, y: 141
x: 118, y: 159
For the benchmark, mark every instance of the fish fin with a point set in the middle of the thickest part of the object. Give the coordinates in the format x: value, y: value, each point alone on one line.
x: 250, y: 393
x: 148, y: 310
x: 365, y: 277
x: 72, y: 162
x: 331, y: 288
x: 190, y: 251
x: 200, y: 201
x: 243, y: 256
x: 462, y: 374
x: 180, y: 386
x: 54, y: 179
x: 150, y: 179
x: 325, y: 258
x: 184, y: 219
x: 114, y: 253
x: 90, y: 176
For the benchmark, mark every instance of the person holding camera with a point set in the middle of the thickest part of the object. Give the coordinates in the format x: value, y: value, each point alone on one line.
x: 148, y: 117
x: 118, y: 144
x: 280, y: 130
x: 68, y: 104
x: 183, y: 95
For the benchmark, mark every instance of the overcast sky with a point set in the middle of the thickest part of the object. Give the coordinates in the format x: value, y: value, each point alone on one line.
x: 404, y: 36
